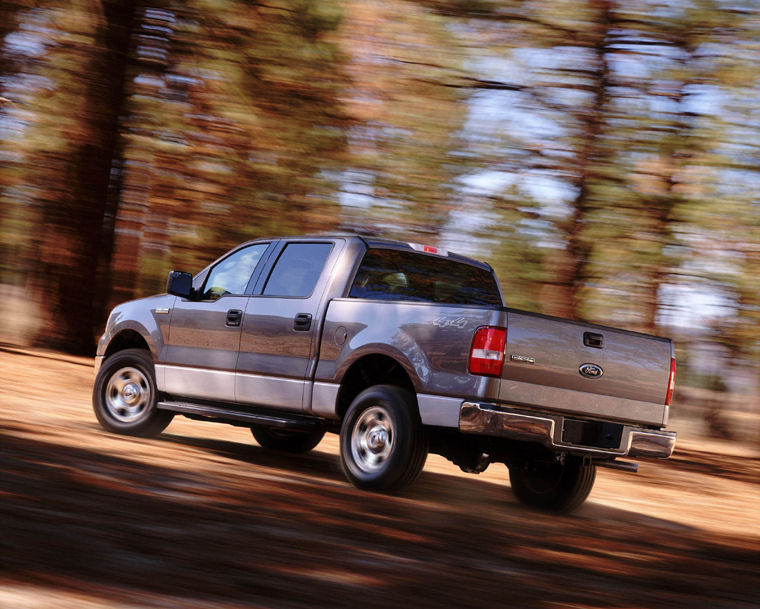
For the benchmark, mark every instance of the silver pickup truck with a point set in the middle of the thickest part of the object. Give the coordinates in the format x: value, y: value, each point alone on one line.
x: 402, y: 350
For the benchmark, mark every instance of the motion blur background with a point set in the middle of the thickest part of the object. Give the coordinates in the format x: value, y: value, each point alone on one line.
x: 603, y: 156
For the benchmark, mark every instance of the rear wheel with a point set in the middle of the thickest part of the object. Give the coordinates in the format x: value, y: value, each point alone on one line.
x: 286, y: 440
x: 556, y: 486
x: 124, y: 397
x: 383, y: 445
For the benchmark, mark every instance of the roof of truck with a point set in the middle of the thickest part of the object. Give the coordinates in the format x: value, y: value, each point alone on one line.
x: 372, y: 241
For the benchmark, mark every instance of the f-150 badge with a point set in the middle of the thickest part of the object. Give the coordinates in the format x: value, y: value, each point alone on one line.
x: 591, y: 371
x: 451, y: 322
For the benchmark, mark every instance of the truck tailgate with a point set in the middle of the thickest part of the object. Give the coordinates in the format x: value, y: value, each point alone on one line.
x: 584, y: 369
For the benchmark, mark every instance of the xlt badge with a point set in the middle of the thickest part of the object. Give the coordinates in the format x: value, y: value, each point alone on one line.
x: 522, y: 358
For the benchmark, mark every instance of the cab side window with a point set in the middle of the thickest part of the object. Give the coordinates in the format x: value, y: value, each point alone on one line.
x: 232, y: 274
x: 297, y: 270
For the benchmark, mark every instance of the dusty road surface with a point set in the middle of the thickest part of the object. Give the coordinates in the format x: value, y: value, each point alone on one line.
x: 203, y: 517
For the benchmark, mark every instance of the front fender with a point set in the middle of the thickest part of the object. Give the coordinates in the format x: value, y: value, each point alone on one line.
x: 148, y: 317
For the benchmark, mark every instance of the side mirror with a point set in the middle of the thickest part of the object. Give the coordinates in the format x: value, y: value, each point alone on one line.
x: 179, y: 283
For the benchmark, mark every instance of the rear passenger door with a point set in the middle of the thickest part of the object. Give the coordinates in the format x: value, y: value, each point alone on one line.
x: 278, y: 342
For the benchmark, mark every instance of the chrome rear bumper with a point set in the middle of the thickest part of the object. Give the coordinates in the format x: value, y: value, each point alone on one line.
x: 494, y: 420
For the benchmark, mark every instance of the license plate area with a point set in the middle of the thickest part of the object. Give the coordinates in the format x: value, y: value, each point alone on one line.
x: 593, y: 434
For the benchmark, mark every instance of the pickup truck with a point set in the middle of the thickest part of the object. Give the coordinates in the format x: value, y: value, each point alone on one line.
x: 402, y: 350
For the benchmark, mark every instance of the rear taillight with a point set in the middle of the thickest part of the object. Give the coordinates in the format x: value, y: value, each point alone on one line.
x: 487, y: 353
x: 671, y: 381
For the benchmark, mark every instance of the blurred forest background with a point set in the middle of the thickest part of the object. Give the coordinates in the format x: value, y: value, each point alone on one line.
x: 602, y: 155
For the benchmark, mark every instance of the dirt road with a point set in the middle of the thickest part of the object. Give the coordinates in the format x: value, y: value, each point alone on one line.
x: 203, y: 517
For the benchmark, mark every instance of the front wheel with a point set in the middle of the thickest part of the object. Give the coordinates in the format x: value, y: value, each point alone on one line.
x: 554, y: 487
x: 383, y: 445
x: 124, y: 397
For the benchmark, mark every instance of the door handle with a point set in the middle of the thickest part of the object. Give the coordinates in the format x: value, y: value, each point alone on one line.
x: 592, y: 339
x: 234, y: 317
x: 302, y: 322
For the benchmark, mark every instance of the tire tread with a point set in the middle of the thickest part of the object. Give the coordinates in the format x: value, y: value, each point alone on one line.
x: 297, y: 442
x: 574, y: 487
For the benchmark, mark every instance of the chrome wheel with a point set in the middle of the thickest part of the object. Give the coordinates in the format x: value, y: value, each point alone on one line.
x: 127, y: 394
x: 372, y: 439
x: 124, y: 395
x: 383, y: 445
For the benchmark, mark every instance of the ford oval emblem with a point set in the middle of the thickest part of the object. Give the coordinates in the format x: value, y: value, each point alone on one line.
x: 591, y: 371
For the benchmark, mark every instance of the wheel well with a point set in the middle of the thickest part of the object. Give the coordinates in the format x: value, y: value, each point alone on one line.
x: 367, y: 371
x: 126, y: 339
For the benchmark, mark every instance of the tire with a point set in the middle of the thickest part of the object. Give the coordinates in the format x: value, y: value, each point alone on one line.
x: 553, y: 487
x: 286, y: 440
x: 124, y: 396
x: 383, y: 445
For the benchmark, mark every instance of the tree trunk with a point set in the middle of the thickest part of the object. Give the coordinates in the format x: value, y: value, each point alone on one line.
x: 570, y: 270
x: 77, y: 233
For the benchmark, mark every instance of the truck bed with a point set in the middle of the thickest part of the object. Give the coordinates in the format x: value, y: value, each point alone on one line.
x: 542, y: 365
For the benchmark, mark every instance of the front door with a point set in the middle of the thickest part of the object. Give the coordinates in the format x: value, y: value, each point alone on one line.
x: 204, y: 335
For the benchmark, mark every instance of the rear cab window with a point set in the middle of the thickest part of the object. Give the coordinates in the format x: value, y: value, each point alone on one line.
x: 389, y: 274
